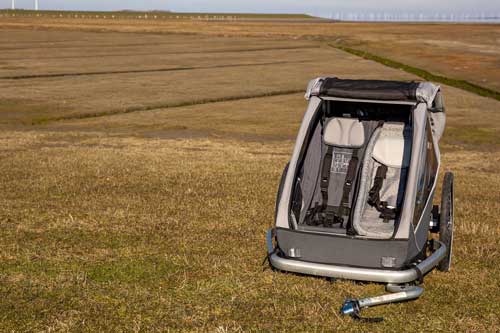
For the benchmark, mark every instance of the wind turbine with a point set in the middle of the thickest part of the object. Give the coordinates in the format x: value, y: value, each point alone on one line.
x: 36, y: 4
x: 13, y: 4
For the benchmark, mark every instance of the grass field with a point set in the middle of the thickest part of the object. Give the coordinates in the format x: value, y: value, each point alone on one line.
x: 139, y: 169
x: 460, y: 51
x: 153, y: 15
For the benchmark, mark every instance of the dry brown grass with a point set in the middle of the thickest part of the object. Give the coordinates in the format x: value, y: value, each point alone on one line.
x: 460, y: 51
x: 219, y: 75
x: 155, y: 220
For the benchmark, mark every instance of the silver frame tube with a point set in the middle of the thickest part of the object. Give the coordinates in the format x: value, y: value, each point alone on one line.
x: 407, y: 294
x: 354, y: 273
x: 401, y: 293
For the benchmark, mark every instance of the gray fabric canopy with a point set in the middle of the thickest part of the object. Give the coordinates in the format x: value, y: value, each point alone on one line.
x: 423, y: 92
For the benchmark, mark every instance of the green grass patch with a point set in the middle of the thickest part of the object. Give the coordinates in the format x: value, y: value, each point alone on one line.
x: 470, y: 135
x: 457, y: 83
x: 158, y: 106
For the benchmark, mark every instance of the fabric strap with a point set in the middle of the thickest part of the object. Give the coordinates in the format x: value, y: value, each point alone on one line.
x: 387, y: 213
x: 345, y: 209
x: 326, y: 214
x: 325, y: 175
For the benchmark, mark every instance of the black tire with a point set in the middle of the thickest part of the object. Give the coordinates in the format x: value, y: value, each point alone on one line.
x: 280, y: 189
x: 446, y: 221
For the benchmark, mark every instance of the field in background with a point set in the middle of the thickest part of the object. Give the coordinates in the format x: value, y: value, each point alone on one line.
x: 138, y: 174
x: 152, y: 15
x: 460, y: 51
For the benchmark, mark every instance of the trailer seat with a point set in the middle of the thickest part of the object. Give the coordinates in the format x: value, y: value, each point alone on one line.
x: 383, y: 180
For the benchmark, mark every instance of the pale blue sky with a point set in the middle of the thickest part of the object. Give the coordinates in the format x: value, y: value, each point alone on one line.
x: 272, y: 6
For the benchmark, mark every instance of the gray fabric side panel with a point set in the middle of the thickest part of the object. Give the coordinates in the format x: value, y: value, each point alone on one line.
x: 423, y: 223
x: 438, y: 117
x: 419, y: 115
x: 317, y: 199
x: 438, y: 124
x: 413, y: 250
x: 348, y: 251
x: 282, y: 218
x: 422, y: 229
x: 310, y: 171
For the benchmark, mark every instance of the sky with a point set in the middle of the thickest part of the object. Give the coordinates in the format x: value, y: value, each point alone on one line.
x: 315, y: 7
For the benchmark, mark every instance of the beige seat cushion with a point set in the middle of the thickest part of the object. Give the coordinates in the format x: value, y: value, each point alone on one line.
x: 390, y: 147
x: 344, y: 132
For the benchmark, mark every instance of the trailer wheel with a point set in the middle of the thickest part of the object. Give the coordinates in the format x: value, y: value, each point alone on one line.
x: 280, y: 189
x: 446, y: 221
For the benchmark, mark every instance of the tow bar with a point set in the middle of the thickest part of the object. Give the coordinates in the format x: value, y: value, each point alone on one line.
x: 399, y: 293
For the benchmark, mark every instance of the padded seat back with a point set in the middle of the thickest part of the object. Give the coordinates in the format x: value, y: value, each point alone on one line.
x: 344, y: 132
x: 390, y: 146
x: 343, y: 136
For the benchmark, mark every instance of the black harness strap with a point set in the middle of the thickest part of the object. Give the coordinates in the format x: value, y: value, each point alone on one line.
x: 374, y: 194
x: 312, y: 215
x: 325, y: 175
x: 318, y: 215
x: 345, y: 209
x: 386, y: 212
x: 330, y: 215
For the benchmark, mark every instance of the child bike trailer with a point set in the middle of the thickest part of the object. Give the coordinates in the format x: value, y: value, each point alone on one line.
x: 356, y: 199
